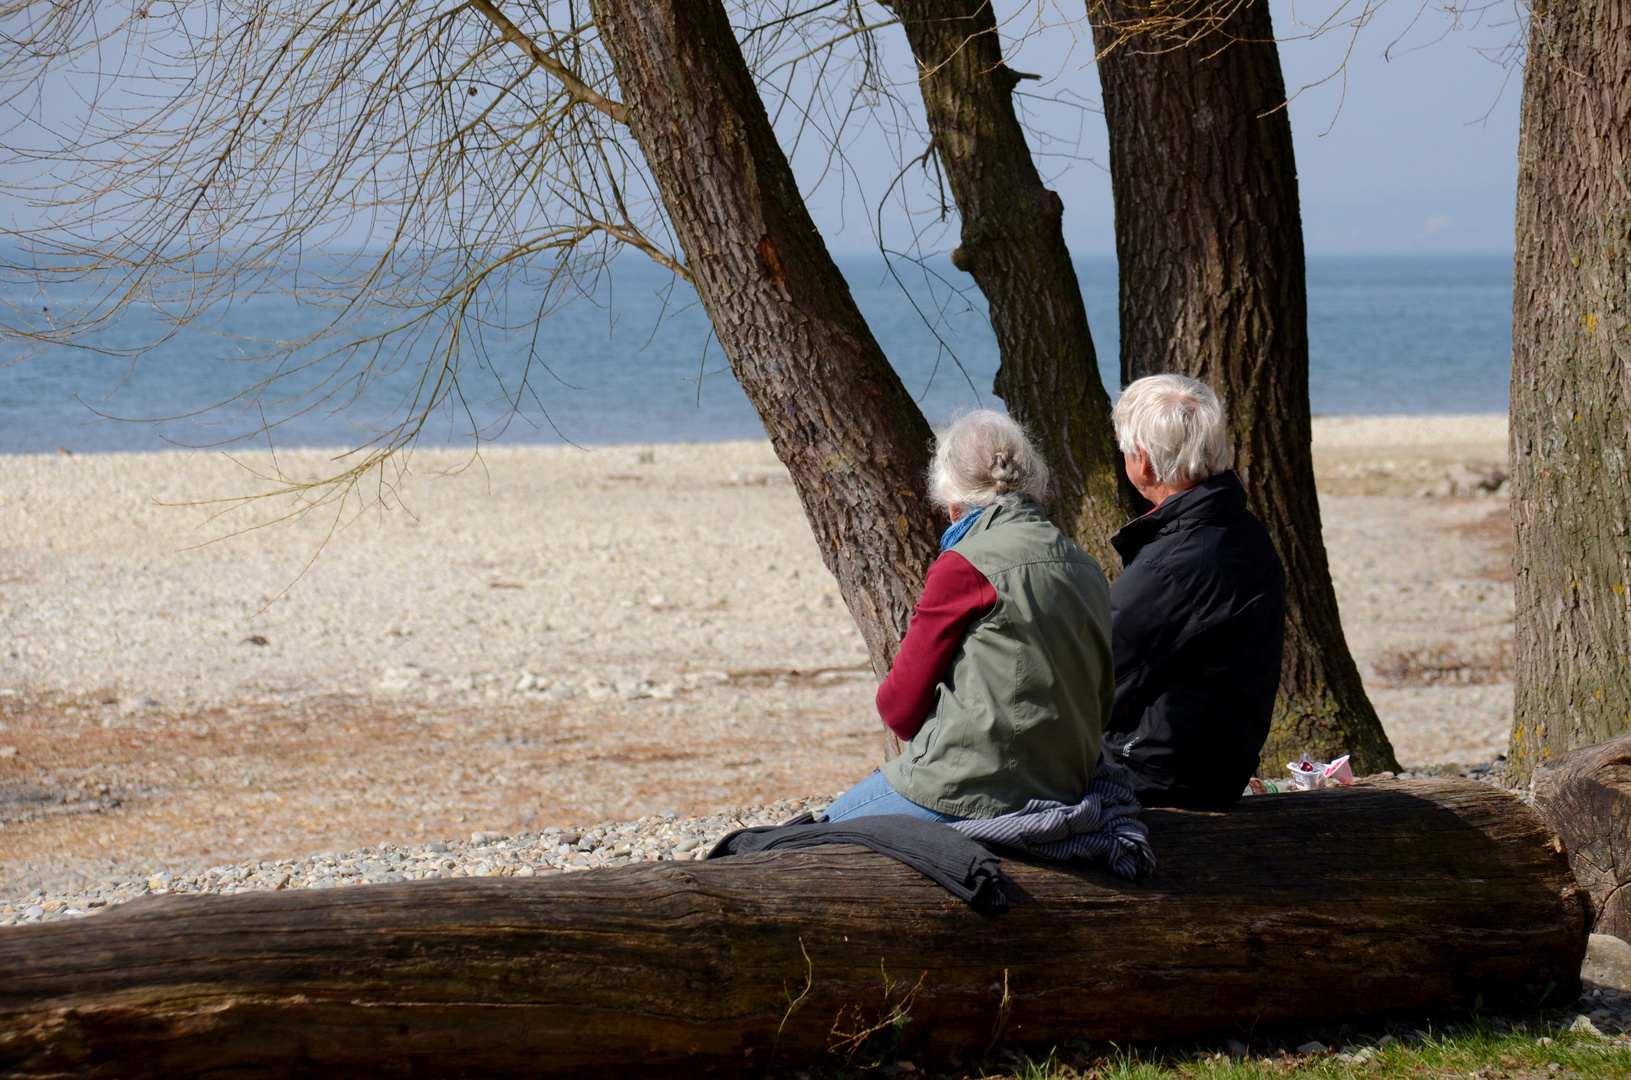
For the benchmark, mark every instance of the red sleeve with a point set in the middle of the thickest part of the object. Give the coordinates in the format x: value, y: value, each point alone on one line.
x: 954, y: 595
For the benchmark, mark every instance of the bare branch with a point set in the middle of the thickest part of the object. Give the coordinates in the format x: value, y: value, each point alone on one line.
x: 579, y: 90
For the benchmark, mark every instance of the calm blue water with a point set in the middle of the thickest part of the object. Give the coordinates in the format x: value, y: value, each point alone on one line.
x: 1387, y: 335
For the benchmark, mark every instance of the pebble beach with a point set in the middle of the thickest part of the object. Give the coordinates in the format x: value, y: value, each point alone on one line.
x: 544, y: 660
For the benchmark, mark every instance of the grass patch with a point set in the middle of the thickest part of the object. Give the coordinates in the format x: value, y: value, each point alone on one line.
x: 1485, y: 1056
x: 1479, y: 1050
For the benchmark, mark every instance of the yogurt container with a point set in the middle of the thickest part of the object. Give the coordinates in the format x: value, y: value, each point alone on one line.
x: 1307, y: 779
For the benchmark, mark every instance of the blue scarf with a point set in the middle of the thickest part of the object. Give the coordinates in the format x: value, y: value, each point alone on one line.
x: 959, y: 528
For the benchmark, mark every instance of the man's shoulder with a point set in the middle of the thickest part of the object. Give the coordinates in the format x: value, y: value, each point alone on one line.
x: 1248, y: 536
x: 1150, y: 575
x: 1205, y: 549
x: 1180, y: 542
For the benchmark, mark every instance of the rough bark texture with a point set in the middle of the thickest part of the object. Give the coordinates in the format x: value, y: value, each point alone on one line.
x: 1014, y: 246
x: 1209, y: 240
x: 1571, y: 384
x: 837, y: 414
x: 1585, y: 796
x: 1403, y: 896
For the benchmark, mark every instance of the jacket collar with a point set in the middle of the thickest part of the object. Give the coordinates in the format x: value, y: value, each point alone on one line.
x: 1027, y: 509
x: 1212, y: 501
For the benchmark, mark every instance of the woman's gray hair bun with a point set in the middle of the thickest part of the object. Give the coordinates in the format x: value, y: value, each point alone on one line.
x: 984, y: 458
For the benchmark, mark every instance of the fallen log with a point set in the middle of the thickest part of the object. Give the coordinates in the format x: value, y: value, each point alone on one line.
x: 1585, y: 796
x: 1398, y: 896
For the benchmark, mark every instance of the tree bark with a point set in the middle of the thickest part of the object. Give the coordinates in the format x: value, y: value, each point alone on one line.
x: 837, y: 414
x: 1209, y: 240
x: 1585, y: 795
x: 1014, y: 246
x: 1571, y: 385
x: 1401, y: 896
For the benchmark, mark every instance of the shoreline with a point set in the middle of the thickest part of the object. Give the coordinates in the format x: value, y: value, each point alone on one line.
x: 1330, y: 430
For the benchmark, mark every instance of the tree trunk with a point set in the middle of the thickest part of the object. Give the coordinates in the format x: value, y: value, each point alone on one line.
x: 837, y: 414
x: 1013, y: 245
x: 1585, y: 795
x: 1571, y: 384
x: 1403, y: 896
x: 1209, y: 240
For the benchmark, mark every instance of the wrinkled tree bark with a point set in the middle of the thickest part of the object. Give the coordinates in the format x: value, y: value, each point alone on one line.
x: 1571, y: 385
x: 1399, y: 897
x: 837, y: 414
x: 1014, y: 246
x: 1209, y: 240
x: 1585, y: 795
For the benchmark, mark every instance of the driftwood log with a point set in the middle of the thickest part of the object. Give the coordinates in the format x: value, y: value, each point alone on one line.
x: 1398, y: 896
x: 1585, y: 796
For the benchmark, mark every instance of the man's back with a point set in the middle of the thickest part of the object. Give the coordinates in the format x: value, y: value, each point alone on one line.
x: 1198, y: 621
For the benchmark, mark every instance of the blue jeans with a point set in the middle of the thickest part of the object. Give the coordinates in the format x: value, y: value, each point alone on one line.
x: 874, y: 796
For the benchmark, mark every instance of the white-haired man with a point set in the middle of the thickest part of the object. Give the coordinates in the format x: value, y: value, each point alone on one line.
x: 1198, y: 613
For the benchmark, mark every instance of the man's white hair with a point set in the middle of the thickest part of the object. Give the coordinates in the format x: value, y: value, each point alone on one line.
x: 1177, y: 422
x: 984, y: 458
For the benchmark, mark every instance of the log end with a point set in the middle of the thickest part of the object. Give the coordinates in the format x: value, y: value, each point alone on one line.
x: 1585, y: 797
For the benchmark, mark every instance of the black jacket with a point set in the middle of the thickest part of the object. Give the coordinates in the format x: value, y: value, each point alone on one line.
x: 1197, y: 621
x: 961, y: 866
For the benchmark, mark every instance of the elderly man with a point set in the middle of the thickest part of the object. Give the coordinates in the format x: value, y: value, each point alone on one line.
x: 1198, y: 613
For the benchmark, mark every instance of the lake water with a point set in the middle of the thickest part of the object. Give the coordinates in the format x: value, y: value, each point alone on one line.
x: 1386, y: 335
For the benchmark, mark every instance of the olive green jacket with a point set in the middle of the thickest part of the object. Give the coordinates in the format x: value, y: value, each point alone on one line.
x: 1019, y: 713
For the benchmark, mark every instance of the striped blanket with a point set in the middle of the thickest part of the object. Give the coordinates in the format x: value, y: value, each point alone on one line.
x: 1104, y: 827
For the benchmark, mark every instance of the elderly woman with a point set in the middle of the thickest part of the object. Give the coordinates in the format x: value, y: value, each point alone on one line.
x: 1003, y: 681
x: 1198, y: 613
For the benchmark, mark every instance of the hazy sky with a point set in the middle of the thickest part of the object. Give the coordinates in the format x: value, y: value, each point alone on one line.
x: 1411, y: 148
x: 1423, y: 155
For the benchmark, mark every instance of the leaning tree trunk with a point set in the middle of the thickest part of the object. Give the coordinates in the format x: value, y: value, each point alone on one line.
x: 837, y: 414
x: 1013, y: 245
x: 1571, y: 384
x: 1209, y: 239
x: 1406, y: 896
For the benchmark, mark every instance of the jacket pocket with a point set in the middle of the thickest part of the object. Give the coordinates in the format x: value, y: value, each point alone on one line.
x: 924, y: 740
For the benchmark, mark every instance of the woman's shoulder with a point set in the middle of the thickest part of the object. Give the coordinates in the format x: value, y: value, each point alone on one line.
x: 1020, y: 533
x: 1039, y: 556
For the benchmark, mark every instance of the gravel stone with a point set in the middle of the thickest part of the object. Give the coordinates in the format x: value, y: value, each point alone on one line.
x: 1608, y: 963
x: 488, y: 853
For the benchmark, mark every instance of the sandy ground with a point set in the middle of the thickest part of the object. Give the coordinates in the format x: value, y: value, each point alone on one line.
x: 553, y: 636
x: 1424, y: 580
